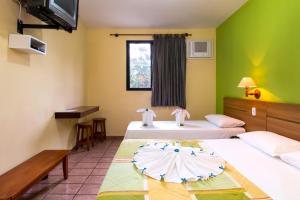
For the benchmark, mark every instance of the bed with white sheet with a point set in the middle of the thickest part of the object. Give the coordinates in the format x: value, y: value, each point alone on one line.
x: 249, y: 173
x: 275, y: 177
x: 198, y: 129
x: 263, y: 164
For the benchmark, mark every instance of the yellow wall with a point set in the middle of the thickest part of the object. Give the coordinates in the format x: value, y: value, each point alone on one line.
x: 33, y: 87
x: 86, y: 67
x: 106, y: 79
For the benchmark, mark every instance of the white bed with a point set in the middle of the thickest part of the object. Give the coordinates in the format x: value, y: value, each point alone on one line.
x: 276, y: 178
x: 200, y: 129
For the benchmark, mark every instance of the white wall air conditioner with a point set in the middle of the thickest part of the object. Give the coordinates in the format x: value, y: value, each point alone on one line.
x: 200, y: 49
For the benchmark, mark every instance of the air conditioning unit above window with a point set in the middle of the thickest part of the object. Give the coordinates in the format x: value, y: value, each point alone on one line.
x: 199, y: 49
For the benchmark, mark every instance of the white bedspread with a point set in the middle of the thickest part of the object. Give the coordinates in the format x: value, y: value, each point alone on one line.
x: 276, y: 178
x: 200, y: 129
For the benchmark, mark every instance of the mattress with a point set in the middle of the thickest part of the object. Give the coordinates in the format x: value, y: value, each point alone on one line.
x: 278, y: 179
x: 200, y: 129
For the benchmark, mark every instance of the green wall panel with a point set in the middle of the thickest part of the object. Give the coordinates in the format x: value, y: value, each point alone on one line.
x: 261, y: 40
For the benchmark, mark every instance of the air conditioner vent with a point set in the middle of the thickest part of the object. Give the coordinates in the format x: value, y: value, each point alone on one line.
x: 200, y: 49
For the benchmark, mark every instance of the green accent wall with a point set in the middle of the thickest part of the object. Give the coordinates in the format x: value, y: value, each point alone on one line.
x: 260, y: 40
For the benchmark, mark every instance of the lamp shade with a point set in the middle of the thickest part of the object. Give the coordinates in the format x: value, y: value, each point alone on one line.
x: 247, y: 82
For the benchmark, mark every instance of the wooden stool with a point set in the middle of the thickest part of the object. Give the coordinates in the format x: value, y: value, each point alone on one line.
x: 99, y: 123
x: 84, y: 135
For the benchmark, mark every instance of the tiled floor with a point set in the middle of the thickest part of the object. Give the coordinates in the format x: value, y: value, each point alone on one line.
x: 86, y: 172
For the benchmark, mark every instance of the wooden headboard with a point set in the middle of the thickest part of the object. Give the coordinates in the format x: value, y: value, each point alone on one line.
x: 283, y: 119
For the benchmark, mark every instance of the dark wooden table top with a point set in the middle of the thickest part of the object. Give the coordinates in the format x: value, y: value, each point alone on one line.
x: 77, y: 112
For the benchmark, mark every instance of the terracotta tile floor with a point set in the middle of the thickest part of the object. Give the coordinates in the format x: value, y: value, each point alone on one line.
x: 86, y: 172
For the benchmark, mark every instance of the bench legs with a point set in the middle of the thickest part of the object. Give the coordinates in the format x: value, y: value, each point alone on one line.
x: 65, y: 167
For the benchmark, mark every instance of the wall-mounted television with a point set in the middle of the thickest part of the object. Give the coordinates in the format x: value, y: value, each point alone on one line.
x: 63, y: 13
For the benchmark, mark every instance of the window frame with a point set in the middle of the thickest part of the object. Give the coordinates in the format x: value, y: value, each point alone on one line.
x: 128, y: 42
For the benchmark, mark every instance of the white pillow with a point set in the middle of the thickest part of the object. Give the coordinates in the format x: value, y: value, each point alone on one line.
x: 292, y: 158
x: 224, y: 121
x: 270, y: 143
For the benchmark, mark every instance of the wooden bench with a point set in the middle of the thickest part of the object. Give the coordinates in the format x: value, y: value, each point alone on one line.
x: 19, y: 179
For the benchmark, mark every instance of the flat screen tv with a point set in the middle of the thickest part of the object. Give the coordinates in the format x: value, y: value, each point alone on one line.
x: 63, y: 13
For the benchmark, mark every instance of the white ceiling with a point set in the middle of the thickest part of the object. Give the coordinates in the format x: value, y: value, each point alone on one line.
x: 157, y: 13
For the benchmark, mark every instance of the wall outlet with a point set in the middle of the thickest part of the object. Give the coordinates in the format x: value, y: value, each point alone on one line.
x: 253, y: 111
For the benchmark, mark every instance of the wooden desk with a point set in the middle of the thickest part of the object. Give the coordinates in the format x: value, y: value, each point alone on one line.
x: 78, y: 112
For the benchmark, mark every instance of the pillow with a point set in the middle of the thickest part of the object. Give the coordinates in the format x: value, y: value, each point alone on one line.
x: 224, y: 121
x: 270, y: 143
x: 292, y: 158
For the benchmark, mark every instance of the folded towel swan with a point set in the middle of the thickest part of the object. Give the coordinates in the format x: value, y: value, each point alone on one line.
x: 180, y: 115
x: 148, y: 116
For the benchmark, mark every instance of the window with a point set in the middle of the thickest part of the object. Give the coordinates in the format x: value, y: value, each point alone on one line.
x: 139, y: 66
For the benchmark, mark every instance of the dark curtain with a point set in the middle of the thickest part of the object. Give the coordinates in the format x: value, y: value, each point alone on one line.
x: 168, y: 70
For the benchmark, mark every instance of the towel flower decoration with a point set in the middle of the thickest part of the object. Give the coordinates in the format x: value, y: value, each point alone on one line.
x: 177, y: 164
x: 180, y: 115
x: 147, y: 117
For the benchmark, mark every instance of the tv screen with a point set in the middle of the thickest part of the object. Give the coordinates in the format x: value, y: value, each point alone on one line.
x: 63, y: 13
x: 68, y: 6
x: 66, y: 9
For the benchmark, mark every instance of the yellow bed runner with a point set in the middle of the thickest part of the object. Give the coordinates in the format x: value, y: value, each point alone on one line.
x: 124, y: 182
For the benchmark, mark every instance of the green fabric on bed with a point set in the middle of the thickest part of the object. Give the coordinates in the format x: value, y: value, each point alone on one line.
x: 121, y: 197
x: 222, y: 181
x: 122, y: 177
x: 128, y: 148
x: 186, y: 143
x: 223, y: 196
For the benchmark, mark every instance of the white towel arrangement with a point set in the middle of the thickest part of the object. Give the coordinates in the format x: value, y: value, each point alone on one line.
x: 148, y: 116
x: 177, y: 164
x: 180, y: 115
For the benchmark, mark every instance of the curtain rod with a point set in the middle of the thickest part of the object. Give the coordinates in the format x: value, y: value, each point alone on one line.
x: 139, y: 34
